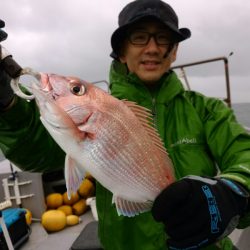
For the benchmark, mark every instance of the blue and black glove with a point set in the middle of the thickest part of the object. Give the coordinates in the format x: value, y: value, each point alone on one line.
x: 199, y: 211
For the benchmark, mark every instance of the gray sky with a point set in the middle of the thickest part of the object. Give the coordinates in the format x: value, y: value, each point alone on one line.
x: 72, y: 37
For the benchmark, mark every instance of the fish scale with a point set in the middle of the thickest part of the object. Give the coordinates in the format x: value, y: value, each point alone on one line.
x: 115, y: 173
x: 117, y: 168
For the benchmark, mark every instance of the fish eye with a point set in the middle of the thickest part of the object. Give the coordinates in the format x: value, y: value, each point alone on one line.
x: 77, y: 89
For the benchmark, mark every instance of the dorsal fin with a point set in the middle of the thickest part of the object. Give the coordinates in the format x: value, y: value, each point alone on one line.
x: 145, y: 117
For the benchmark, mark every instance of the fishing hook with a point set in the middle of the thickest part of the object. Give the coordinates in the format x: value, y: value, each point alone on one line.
x: 15, y: 84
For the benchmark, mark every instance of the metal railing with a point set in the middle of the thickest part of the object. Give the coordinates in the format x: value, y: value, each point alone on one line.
x: 224, y: 59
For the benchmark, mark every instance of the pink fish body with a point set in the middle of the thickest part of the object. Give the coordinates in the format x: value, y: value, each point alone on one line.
x: 110, y: 138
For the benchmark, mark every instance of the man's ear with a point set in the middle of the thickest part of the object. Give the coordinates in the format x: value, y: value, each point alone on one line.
x: 122, y: 53
x: 122, y: 59
x: 174, y: 52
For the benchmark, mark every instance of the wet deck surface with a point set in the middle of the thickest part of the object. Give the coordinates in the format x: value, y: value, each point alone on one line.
x: 62, y: 240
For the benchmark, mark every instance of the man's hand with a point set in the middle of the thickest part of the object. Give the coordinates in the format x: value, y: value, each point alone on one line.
x: 6, y: 92
x: 3, y: 34
x: 199, y: 211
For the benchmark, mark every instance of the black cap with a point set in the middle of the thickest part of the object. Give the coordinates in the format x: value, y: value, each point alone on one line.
x: 139, y: 9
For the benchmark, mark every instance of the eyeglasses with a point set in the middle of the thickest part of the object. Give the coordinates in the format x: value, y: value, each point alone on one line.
x: 142, y: 38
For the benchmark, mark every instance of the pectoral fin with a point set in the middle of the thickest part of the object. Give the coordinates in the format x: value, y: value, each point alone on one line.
x: 73, y: 175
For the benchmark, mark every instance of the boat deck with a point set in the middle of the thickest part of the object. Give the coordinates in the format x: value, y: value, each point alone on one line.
x: 39, y: 239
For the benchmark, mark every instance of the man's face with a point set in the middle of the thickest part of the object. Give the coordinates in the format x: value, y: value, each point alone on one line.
x: 149, y: 61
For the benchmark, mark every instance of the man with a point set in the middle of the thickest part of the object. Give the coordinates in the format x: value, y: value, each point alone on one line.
x: 200, y: 134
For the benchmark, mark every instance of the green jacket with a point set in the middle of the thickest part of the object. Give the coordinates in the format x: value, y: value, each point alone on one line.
x: 196, y: 130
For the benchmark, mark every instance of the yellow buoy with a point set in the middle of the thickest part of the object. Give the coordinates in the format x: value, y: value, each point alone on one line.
x: 54, y: 200
x: 86, y: 189
x: 73, y: 198
x: 72, y: 220
x: 79, y: 207
x: 53, y: 220
x: 28, y: 216
x: 66, y: 209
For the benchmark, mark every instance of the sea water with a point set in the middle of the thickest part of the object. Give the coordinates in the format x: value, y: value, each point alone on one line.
x: 242, y: 112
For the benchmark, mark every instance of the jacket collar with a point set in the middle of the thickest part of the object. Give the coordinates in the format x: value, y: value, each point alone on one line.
x: 126, y: 85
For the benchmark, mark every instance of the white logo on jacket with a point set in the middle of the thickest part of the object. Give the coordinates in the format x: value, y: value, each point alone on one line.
x: 184, y: 140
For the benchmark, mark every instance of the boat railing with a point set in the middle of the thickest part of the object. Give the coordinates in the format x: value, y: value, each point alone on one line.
x: 182, y: 67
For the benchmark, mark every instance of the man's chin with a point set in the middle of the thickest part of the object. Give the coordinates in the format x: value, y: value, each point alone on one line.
x: 149, y: 80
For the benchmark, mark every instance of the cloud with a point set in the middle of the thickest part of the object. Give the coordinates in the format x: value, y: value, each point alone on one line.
x: 73, y: 37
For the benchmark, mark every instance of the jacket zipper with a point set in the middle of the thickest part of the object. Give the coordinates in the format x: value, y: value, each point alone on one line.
x: 154, y: 112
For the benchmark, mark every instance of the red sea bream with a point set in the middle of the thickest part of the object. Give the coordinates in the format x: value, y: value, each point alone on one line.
x: 112, y: 139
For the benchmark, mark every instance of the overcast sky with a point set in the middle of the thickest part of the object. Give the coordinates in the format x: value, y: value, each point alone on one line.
x: 72, y: 37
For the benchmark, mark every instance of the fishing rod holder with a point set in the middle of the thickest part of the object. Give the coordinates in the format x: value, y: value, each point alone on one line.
x: 12, y: 183
x: 7, y: 186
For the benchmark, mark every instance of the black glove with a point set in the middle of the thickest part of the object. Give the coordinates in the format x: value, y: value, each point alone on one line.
x: 6, y: 92
x: 199, y: 211
x: 3, y: 34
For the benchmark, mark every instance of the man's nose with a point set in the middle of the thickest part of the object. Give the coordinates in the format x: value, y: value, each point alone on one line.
x: 152, y: 45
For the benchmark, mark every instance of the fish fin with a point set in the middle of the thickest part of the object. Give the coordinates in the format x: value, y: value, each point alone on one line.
x: 145, y: 117
x: 73, y: 175
x: 130, y: 208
